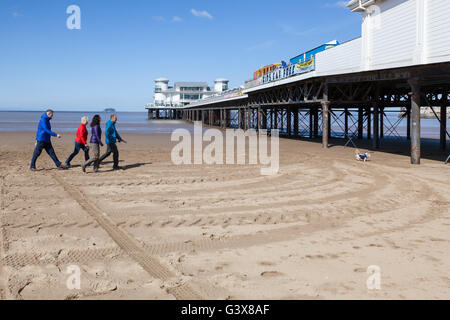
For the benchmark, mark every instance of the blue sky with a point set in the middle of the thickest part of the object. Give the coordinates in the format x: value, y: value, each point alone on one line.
x: 123, y: 45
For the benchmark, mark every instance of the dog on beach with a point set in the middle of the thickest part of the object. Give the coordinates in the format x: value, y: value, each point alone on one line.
x: 362, y: 156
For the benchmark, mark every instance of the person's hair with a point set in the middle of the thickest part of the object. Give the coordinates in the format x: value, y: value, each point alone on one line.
x: 95, y: 121
x: 49, y: 111
x: 112, y: 116
x: 85, y: 120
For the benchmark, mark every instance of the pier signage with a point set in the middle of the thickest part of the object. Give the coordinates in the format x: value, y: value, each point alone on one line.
x: 307, y: 66
x: 291, y: 70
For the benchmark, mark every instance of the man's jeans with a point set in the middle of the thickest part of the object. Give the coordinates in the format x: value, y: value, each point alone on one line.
x: 112, y: 148
x: 48, y: 148
x: 78, y: 147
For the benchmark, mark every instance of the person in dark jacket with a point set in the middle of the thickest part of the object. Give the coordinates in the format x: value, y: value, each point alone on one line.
x: 96, y: 143
x: 111, y: 138
x: 43, y: 140
x: 80, y: 142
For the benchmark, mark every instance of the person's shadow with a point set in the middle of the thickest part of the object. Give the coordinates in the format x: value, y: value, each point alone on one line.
x: 136, y: 165
x: 128, y: 167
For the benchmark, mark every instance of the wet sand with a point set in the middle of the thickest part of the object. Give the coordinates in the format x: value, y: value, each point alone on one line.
x: 159, y: 231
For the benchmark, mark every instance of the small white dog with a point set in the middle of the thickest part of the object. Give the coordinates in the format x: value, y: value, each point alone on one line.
x: 362, y: 156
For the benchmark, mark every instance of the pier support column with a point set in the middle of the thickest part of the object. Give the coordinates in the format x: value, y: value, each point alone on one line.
x: 275, y: 118
x: 225, y: 119
x: 408, y: 123
x: 325, y: 123
x: 316, y: 122
x: 382, y: 123
x: 259, y: 119
x: 271, y: 119
x: 264, y: 118
x: 369, y: 123
x: 444, y: 126
x: 360, y: 123
x: 311, y: 123
x: 329, y: 122
x: 296, y: 111
x: 415, y: 122
x: 376, y: 127
x: 239, y: 119
x: 346, y: 123
x: 289, y: 121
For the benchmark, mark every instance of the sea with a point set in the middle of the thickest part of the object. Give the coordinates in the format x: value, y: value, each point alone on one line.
x: 68, y: 122
x: 137, y: 122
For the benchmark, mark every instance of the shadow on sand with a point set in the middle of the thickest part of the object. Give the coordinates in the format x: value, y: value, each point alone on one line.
x: 78, y: 166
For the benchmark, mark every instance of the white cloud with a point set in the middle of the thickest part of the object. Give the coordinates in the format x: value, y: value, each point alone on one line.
x: 16, y: 14
x: 201, y: 14
x: 342, y: 4
x: 176, y: 19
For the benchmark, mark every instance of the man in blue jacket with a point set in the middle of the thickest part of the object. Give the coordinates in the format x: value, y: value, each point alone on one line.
x: 43, y: 140
x: 111, y: 138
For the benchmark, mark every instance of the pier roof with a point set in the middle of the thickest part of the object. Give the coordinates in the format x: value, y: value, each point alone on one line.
x: 191, y: 84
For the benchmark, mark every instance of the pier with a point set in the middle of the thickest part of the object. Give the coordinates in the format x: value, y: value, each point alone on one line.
x: 348, y: 90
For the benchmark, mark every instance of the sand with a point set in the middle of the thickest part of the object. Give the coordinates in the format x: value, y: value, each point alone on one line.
x: 160, y: 231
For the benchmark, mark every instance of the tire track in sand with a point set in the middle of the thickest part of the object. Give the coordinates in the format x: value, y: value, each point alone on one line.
x: 238, y: 241
x: 3, y: 276
x: 130, y: 246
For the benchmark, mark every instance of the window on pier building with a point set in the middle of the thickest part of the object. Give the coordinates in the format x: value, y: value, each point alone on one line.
x: 190, y: 96
x: 191, y: 89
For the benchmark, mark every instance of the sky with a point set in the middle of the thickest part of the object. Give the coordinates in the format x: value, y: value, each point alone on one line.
x: 124, y: 45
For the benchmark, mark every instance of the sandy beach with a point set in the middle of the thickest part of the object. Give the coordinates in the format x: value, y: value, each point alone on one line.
x: 160, y: 231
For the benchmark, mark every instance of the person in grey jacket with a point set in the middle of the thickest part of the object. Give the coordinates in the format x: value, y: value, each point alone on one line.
x: 95, y: 144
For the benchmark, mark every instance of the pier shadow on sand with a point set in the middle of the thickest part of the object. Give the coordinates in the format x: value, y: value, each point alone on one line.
x: 430, y: 148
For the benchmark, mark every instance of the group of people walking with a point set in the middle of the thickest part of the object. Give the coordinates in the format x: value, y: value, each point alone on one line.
x: 45, y: 133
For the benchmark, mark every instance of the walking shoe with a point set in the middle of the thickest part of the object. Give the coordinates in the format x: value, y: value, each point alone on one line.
x: 83, y: 167
x: 96, y: 169
x: 117, y: 168
x: 33, y: 169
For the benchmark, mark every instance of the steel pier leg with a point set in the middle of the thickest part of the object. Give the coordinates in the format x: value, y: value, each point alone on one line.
x: 325, y: 123
x: 289, y: 121
x: 360, y: 123
x: 444, y: 126
x: 376, y: 127
x: 296, y: 110
x: 415, y: 122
